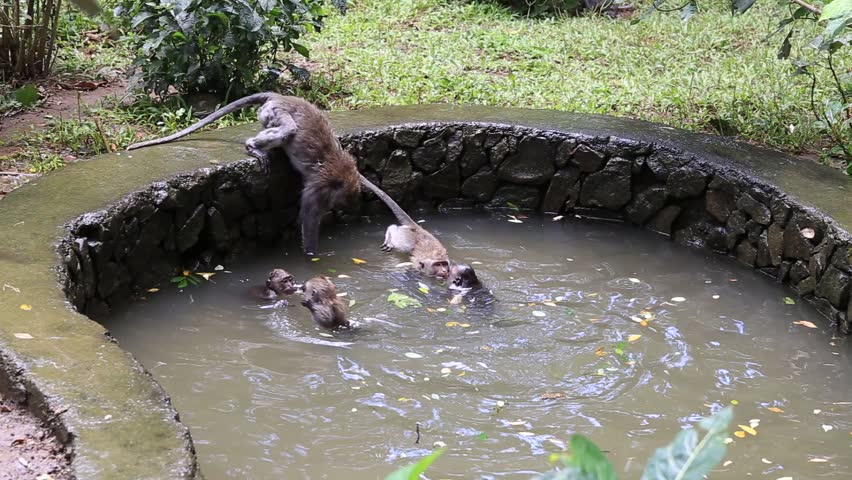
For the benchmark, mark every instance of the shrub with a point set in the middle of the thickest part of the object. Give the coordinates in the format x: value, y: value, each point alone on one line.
x: 216, y: 46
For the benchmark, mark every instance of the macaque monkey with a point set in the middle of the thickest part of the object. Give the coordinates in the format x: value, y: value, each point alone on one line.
x: 279, y: 283
x: 327, y: 309
x: 428, y: 255
x: 329, y: 174
x: 462, y: 277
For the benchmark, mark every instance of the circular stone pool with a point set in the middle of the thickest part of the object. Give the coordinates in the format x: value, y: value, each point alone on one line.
x: 593, y: 328
x: 124, y: 223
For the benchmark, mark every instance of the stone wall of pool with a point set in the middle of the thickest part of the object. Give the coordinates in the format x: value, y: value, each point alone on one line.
x: 124, y: 223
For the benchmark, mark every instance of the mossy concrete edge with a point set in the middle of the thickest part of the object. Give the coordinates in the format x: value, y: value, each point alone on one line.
x: 119, y: 421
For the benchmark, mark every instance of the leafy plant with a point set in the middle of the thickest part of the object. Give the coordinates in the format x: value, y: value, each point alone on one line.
x: 686, y: 458
x: 27, y: 39
x: 215, y: 46
x: 402, y: 300
x: 184, y: 279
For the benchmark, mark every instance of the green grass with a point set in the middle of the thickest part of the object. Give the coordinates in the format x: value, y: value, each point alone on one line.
x: 715, y: 70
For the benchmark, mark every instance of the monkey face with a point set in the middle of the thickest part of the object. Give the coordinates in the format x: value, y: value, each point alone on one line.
x: 435, y: 268
x: 462, y: 277
x: 281, y: 282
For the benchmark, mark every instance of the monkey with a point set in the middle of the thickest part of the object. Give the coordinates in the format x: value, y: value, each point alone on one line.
x: 427, y: 254
x: 462, y: 277
x: 327, y: 309
x: 329, y: 173
x: 280, y: 282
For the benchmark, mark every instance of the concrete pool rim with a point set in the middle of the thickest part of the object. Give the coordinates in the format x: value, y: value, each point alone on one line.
x: 121, y: 220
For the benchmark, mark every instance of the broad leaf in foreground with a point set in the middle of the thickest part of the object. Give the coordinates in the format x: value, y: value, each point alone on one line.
x: 586, y: 462
x: 413, y: 471
x: 687, y: 457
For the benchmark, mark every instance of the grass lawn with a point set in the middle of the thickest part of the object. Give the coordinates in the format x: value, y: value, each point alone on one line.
x: 715, y: 73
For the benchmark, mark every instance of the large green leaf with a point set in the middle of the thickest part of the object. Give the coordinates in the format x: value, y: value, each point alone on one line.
x: 402, y: 300
x: 687, y: 457
x: 413, y: 471
x: 27, y: 95
x: 588, y: 459
x: 835, y: 9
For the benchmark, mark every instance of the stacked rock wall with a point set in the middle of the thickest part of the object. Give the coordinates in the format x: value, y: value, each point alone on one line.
x: 219, y: 212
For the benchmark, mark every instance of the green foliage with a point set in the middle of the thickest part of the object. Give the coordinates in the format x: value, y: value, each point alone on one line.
x: 185, y: 279
x: 402, y: 300
x: 686, y: 458
x: 27, y: 95
x: 537, y: 8
x: 215, y: 46
x: 27, y: 46
x: 413, y: 471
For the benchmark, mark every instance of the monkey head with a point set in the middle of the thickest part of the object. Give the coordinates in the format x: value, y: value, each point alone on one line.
x: 462, y: 277
x: 281, y: 282
x: 439, y: 269
x: 319, y: 295
x: 318, y: 290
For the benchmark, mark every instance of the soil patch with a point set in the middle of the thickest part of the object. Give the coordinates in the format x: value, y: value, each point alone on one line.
x: 28, y: 450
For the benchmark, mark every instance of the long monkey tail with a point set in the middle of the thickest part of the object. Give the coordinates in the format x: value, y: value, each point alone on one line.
x: 256, y: 99
x: 394, y: 207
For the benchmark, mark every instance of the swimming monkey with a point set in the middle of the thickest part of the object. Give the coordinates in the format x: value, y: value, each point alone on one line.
x: 327, y: 309
x: 280, y: 282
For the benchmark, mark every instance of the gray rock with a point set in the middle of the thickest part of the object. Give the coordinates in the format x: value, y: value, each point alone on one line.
x: 492, y: 139
x: 522, y: 196
x: 407, y: 137
x: 455, y: 146
x: 764, y: 259
x: 645, y: 204
x: 799, y: 272
x: 735, y: 227
x: 685, y: 183
x: 532, y: 164
x: 775, y: 237
x: 472, y: 160
x: 717, y: 239
x: 376, y: 152
x: 188, y: 234
x: 218, y: 229
x: 499, y: 152
x: 795, y: 244
x: 444, y: 183
x: 662, y: 164
x: 849, y: 312
x: 559, y: 189
x: 108, y: 279
x: 481, y: 185
x: 573, y: 197
x: 780, y: 211
x: 454, y: 204
x: 757, y: 211
x: 397, y: 174
x: 784, y: 270
x: 723, y: 185
x: 625, y: 147
x: 428, y: 157
x: 229, y: 200
x: 563, y: 153
x: 608, y: 188
x: 720, y: 204
x: 662, y: 221
x: 834, y: 287
x: 806, y: 286
x: 746, y: 253
x: 842, y: 258
x: 588, y: 159
x: 753, y: 230
x: 821, y: 257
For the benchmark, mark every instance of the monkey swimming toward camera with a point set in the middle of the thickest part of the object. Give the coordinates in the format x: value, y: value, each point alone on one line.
x: 329, y: 174
x: 319, y: 295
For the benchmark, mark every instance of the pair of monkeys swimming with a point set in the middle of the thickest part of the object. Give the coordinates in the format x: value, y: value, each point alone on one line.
x: 331, y: 181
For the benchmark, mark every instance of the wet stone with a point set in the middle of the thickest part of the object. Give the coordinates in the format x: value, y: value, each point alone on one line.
x: 217, y: 228
x: 444, y: 183
x: 492, y: 139
x: 563, y: 153
x: 481, y: 185
x: 821, y: 257
x: 775, y: 238
x: 834, y: 287
x: 397, y: 173
x: 531, y: 164
x: 518, y: 195
x: 662, y: 221
x: 407, y: 138
x: 746, y: 253
x: 625, y: 147
x: 723, y: 185
x: 608, y: 188
x: 428, y: 157
x: 455, y: 145
x: 799, y: 271
x: 499, y: 152
x: 685, y: 183
x: 757, y: 211
x: 560, y: 189
x: 662, y: 164
x: 842, y: 258
x: 720, y: 204
x: 806, y: 286
x: 188, y: 234
x: 638, y: 163
x: 784, y: 270
x: 753, y: 230
x: 795, y: 244
x: 376, y: 153
x: 780, y: 211
x: 645, y: 204
x: 588, y: 159
x: 764, y: 259
x: 736, y: 227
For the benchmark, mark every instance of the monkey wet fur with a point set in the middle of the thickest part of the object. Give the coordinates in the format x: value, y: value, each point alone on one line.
x: 327, y: 309
x: 329, y: 174
x: 280, y: 282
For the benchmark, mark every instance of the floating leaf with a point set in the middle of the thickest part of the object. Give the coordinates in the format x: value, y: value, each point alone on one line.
x: 413, y: 471
x: 402, y: 300
x: 515, y: 220
x: 552, y: 395
x: 817, y: 460
x: 153, y: 290
x: 205, y: 275
x: 715, y: 297
x: 740, y: 434
x: 343, y: 276
x: 482, y: 436
x: 557, y: 218
x: 327, y: 335
x: 569, y: 312
x: 808, y: 233
x: 358, y: 261
x: 634, y: 337
x: 827, y: 428
x: 517, y: 423
x: 446, y: 371
x: 748, y: 429
x: 413, y: 355
x: 526, y: 434
x: 23, y: 336
x: 501, y: 403
x: 342, y: 294
x: 218, y: 268
x: 727, y: 463
x: 634, y: 280
x: 438, y: 444
x: 678, y: 299
x: 457, y: 299
x: 315, y: 259
x: 775, y: 409
x: 332, y: 270
x: 538, y: 313
x: 600, y: 351
x: 452, y: 324
x: 805, y: 323
x: 26, y: 307
x: 789, y: 301
x: 549, y: 304
x: 351, y: 302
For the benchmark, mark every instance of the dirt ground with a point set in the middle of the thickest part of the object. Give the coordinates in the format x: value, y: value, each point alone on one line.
x: 29, y: 451
x: 62, y: 100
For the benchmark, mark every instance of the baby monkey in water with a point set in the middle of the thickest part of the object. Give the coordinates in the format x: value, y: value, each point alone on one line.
x: 327, y: 309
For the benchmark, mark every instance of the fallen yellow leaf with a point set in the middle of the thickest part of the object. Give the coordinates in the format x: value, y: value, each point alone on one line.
x: 643, y: 323
x: 552, y: 395
x: 26, y: 307
x: 634, y: 337
x: 153, y: 290
x: 739, y: 434
x: 358, y: 261
x: 600, y: 351
x: 452, y: 324
x: 805, y: 323
x: 464, y: 325
x: 403, y: 399
x: 315, y: 259
x: 748, y: 429
x: 463, y: 373
x: 775, y: 409
x: 206, y: 275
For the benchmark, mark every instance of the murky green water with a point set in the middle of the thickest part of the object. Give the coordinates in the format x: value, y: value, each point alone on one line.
x: 267, y: 395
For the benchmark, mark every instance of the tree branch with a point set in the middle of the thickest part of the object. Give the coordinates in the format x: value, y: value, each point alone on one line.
x: 807, y: 6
